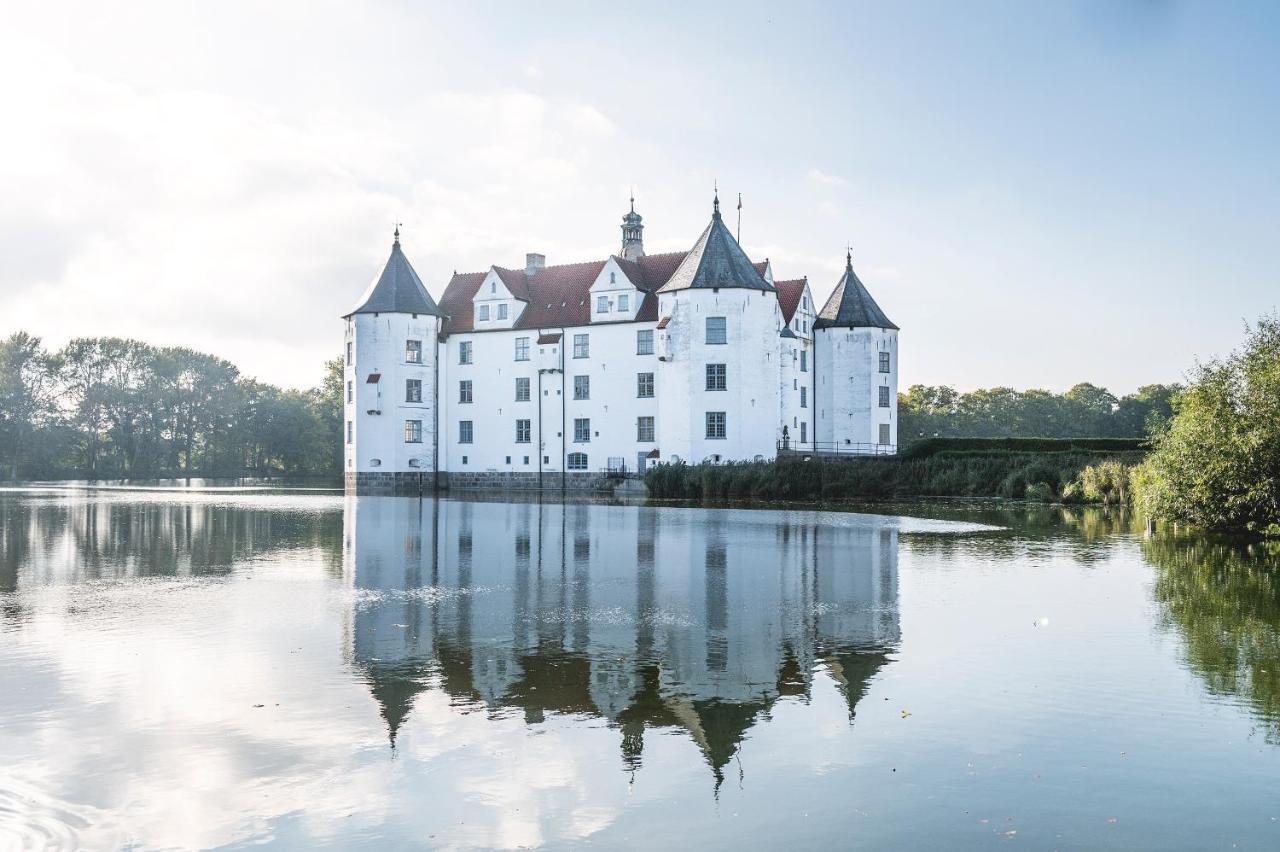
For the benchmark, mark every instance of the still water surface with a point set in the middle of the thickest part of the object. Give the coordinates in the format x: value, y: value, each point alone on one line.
x: 223, y: 669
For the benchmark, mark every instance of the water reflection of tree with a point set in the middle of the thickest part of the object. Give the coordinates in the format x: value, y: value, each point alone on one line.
x: 1223, y: 598
x: 106, y: 538
x: 1084, y: 534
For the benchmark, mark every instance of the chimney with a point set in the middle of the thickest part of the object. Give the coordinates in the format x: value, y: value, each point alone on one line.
x: 534, y: 262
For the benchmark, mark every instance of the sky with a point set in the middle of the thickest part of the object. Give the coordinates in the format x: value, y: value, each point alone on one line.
x: 1038, y: 193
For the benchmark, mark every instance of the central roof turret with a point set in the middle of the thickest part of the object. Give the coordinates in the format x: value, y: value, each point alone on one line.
x: 716, y: 260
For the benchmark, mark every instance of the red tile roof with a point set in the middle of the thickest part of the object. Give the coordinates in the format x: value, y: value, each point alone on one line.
x: 557, y: 295
x: 548, y: 338
x: 789, y: 293
x: 662, y: 323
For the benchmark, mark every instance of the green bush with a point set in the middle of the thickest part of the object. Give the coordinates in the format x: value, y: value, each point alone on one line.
x: 990, y: 474
x: 1040, y: 492
x: 932, y: 446
x: 1217, y: 465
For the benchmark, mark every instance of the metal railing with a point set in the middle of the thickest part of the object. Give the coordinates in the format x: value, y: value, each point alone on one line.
x: 827, y: 449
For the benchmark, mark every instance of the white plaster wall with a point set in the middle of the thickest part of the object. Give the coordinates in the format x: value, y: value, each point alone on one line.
x: 379, y: 347
x: 848, y: 380
x: 790, y: 380
x: 613, y: 407
x: 751, y: 401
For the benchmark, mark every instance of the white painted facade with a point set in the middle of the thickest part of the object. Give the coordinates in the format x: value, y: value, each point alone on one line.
x: 714, y: 374
x: 379, y: 401
x: 853, y: 410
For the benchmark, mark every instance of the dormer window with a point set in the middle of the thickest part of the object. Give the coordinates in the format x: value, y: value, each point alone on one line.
x: 602, y: 305
x: 624, y: 303
x: 502, y: 310
x: 484, y: 313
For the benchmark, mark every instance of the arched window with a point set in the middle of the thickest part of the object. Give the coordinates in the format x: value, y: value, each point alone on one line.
x: 577, y: 461
x: 613, y: 279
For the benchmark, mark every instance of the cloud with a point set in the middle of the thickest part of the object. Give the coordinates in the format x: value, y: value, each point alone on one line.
x: 196, y: 218
x: 818, y: 176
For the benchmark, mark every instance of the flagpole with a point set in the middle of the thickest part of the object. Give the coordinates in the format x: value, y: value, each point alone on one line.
x: 739, y: 237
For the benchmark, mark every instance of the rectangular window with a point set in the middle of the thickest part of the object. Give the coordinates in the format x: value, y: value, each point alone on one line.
x: 716, y: 330
x: 884, y: 433
x: 349, y: 430
x: 484, y: 313
x: 349, y: 347
x: 582, y: 346
x: 582, y: 387
x: 716, y: 380
x: 644, y: 385
x: 884, y: 397
x: 715, y: 424
x: 351, y: 391
x: 413, y: 390
x: 804, y: 397
x: 884, y: 362
x: 413, y: 431
x: 577, y: 461
x: 464, y: 432
x: 804, y: 361
x: 464, y: 352
x: 602, y: 305
x: 624, y: 303
x: 413, y: 351
x: 523, y: 432
x: 464, y: 390
x: 522, y: 390
x: 581, y: 430
x: 804, y: 433
x: 644, y: 430
x: 502, y: 310
x: 522, y: 349
x: 644, y: 341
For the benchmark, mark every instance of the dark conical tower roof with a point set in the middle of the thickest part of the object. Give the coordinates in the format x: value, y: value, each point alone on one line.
x: 716, y: 260
x: 398, y: 290
x: 850, y: 305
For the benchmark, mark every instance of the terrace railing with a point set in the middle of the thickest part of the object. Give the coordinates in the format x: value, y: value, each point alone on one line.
x: 835, y: 449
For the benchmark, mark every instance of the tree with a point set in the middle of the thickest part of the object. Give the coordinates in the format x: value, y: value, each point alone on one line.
x: 26, y: 396
x: 1217, y: 464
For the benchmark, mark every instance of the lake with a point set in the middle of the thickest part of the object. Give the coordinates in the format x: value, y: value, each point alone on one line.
x: 227, y: 668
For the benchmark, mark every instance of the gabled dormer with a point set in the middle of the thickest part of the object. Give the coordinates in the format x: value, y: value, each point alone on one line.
x: 614, y: 297
x: 796, y: 308
x: 497, y: 304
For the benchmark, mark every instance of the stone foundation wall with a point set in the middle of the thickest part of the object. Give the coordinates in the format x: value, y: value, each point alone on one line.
x: 389, y: 483
x: 523, y: 481
x: 372, y: 483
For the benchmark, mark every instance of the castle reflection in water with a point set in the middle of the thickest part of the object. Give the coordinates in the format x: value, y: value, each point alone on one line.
x: 651, y: 618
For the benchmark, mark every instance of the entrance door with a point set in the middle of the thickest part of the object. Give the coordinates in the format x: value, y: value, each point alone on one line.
x: 641, y: 459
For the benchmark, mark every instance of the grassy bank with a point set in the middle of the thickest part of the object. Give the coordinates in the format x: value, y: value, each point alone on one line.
x: 1048, y: 475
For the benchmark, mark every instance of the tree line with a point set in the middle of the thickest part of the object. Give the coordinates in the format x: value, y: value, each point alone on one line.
x: 113, y: 408
x: 1085, y: 411
x: 108, y: 408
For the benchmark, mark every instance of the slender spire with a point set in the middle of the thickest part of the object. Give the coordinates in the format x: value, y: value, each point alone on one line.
x: 633, y: 232
x: 715, y: 204
x: 397, y: 234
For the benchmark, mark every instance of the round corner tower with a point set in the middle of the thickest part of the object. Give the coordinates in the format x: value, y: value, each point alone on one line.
x: 390, y: 381
x: 856, y: 353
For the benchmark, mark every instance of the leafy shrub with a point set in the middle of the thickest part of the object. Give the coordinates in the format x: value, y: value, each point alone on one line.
x: 1040, y: 492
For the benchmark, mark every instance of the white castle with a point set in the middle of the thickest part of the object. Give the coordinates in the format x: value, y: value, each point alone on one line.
x: 558, y: 376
